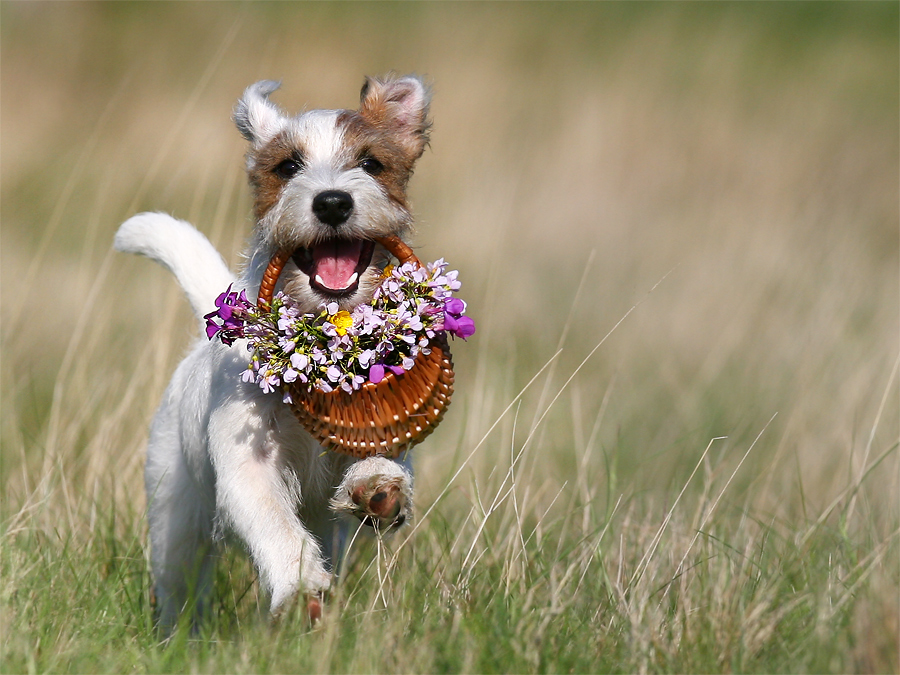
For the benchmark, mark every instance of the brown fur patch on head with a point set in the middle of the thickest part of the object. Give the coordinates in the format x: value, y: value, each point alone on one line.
x: 364, y: 141
x: 398, y: 106
x: 391, y: 126
x: 265, y: 182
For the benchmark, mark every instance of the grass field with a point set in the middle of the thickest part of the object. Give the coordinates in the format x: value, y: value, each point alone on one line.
x: 674, y: 442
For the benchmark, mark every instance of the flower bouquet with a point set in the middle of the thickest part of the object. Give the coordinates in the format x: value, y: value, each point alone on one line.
x: 373, y: 380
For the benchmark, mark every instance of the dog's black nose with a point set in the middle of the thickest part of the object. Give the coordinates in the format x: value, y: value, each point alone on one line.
x: 332, y: 207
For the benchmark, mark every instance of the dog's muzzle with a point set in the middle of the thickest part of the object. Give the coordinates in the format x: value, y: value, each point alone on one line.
x: 336, y: 262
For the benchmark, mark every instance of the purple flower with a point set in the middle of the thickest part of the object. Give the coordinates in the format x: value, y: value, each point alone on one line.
x: 454, y: 306
x: 365, y: 358
x: 376, y: 373
x: 352, y: 383
x: 211, y: 327
x: 414, y: 322
x: 231, y: 309
x: 269, y: 382
x: 450, y: 323
x: 465, y: 327
x: 455, y: 322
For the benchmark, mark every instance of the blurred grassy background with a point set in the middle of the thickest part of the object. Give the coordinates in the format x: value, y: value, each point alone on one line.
x: 746, y: 154
x: 747, y: 151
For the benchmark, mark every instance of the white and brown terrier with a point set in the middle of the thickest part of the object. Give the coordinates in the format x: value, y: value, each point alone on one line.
x: 223, y: 457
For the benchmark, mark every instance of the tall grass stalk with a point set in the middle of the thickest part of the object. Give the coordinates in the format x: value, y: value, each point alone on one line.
x: 699, y: 477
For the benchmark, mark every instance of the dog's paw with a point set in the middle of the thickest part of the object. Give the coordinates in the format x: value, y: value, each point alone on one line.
x: 308, y: 592
x: 377, y: 491
x: 312, y: 603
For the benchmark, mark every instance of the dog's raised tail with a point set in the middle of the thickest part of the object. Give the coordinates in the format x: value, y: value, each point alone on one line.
x: 183, y: 250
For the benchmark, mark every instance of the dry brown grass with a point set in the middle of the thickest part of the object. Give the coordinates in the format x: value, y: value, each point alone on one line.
x: 745, y: 157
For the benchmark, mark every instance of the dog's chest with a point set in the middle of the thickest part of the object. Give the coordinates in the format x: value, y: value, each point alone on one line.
x: 311, y: 472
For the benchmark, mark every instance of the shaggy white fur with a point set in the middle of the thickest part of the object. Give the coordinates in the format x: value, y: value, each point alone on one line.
x: 223, y: 456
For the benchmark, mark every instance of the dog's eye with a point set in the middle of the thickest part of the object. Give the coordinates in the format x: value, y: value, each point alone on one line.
x: 287, y: 169
x: 371, y: 166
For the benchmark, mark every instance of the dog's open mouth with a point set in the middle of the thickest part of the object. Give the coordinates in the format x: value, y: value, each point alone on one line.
x: 334, y: 266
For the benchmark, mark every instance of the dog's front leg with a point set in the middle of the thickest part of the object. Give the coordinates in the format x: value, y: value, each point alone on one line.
x: 258, y: 497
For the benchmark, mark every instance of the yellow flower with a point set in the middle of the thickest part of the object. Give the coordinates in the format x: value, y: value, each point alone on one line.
x: 342, y: 321
x: 387, y: 271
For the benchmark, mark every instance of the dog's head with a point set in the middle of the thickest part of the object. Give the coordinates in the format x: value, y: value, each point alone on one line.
x: 327, y: 181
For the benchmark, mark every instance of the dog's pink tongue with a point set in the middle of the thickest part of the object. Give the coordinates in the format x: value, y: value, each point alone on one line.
x: 334, y: 263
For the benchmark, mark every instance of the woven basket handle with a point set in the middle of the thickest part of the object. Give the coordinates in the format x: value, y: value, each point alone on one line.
x: 398, y: 249
x: 392, y: 243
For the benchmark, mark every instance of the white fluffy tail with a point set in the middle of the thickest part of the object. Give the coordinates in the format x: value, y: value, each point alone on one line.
x: 178, y: 246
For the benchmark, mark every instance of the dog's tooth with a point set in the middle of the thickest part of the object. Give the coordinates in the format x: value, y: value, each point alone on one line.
x: 353, y: 279
x: 319, y: 280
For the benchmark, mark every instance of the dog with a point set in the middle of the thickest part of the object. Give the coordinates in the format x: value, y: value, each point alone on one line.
x: 225, y: 458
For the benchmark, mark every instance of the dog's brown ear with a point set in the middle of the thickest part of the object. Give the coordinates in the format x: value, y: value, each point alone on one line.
x: 398, y: 105
x: 257, y: 118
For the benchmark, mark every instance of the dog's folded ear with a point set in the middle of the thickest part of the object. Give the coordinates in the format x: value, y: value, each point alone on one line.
x: 398, y: 105
x: 257, y: 118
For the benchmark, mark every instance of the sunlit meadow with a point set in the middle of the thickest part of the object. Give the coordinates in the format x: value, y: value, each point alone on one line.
x: 673, y: 444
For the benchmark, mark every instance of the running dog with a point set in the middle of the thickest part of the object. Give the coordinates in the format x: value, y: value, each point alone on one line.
x: 223, y: 457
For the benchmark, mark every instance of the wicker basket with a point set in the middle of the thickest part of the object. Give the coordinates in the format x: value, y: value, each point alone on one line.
x: 378, y: 419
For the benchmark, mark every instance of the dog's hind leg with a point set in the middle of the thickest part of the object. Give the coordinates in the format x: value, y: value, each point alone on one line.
x: 180, y: 514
